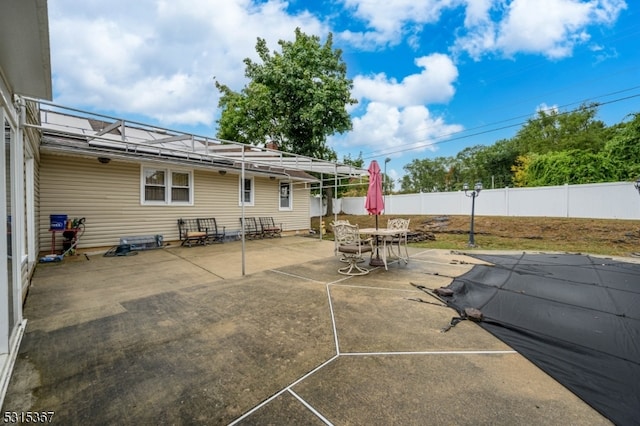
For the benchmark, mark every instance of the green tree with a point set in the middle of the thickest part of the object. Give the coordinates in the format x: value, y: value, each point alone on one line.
x: 294, y: 98
x: 469, y: 166
x: 425, y: 175
x: 553, y: 131
x: 520, y: 170
x: 495, y: 164
x: 572, y: 167
x: 623, y: 149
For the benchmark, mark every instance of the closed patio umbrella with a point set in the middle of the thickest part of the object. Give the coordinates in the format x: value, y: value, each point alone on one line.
x: 374, y: 202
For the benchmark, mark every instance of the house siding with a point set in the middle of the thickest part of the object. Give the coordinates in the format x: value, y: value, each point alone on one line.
x: 108, y: 197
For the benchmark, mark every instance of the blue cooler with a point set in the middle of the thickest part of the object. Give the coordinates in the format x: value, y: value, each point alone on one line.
x: 57, y: 222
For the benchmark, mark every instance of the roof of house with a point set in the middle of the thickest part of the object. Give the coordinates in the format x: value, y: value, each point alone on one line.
x: 83, y: 133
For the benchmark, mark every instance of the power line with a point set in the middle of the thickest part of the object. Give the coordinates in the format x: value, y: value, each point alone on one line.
x: 583, y: 101
x: 423, y: 143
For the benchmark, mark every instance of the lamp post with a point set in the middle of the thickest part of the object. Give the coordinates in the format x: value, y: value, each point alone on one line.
x: 473, y: 194
x: 384, y: 183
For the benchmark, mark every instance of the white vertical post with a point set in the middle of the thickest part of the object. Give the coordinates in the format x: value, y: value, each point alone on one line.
x: 506, y: 200
x: 242, y: 225
x: 4, y: 276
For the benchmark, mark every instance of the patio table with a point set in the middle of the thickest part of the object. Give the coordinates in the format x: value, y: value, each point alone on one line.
x: 384, y: 232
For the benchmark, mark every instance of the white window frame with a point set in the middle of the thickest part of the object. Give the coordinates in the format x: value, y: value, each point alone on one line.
x: 290, y: 189
x: 252, y: 189
x: 168, y: 185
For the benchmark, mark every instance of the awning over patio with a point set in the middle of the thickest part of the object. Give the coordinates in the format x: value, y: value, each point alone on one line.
x: 70, y: 130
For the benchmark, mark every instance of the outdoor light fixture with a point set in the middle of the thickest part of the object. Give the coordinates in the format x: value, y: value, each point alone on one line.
x: 637, y: 185
x: 104, y: 160
x: 473, y: 194
x: 222, y: 172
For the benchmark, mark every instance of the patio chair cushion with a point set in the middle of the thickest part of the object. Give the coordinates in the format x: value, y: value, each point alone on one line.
x: 195, y: 234
x: 354, y: 248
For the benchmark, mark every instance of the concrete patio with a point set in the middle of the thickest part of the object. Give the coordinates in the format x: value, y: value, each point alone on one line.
x: 179, y: 336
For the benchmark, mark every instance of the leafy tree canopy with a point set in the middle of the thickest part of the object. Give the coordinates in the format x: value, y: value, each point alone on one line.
x: 573, y: 166
x: 553, y: 131
x: 623, y: 149
x: 295, y: 98
x: 551, y: 149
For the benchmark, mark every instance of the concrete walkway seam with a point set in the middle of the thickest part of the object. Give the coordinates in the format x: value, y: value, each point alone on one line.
x: 313, y: 410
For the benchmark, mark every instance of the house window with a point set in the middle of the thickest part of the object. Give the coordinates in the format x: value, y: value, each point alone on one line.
x: 162, y: 186
x: 180, y: 187
x: 285, y: 196
x: 247, y: 193
x: 155, y: 187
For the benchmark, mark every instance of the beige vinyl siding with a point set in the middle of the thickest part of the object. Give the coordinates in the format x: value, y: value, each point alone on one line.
x: 267, y: 203
x: 108, y: 196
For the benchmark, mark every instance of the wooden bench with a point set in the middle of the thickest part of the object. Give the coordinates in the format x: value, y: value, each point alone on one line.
x: 199, y: 231
x: 252, y: 228
x: 269, y: 227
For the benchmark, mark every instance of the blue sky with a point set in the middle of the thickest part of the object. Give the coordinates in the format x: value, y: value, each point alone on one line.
x: 432, y: 76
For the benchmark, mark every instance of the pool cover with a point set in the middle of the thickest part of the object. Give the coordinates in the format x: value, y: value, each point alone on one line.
x: 576, y: 317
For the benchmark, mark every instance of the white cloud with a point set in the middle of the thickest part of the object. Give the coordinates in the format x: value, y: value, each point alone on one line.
x: 548, y: 27
x: 477, y: 12
x: 551, y: 28
x: 395, y: 116
x: 549, y: 109
x: 433, y: 84
x: 159, y: 58
x: 388, y: 20
x: 389, y: 128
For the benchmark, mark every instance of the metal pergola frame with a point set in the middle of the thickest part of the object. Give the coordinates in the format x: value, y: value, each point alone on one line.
x: 74, y: 131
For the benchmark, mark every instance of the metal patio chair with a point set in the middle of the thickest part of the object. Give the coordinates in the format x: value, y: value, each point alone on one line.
x: 352, y: 247
x: 400, y: 240
x: 335, y: 241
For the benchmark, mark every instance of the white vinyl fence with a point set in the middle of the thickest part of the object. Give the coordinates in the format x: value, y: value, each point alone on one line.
x: 617, y: 200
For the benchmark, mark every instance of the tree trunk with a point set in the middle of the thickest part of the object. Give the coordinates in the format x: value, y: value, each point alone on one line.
x: 328, y: 193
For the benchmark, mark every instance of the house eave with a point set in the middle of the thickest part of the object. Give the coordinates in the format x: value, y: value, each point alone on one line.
x: 24, y: 47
